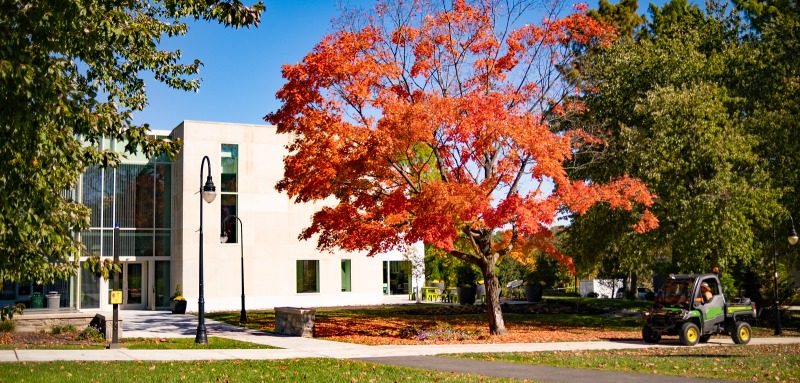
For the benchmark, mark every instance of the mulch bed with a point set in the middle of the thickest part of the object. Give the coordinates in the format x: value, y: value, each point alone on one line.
x: 22, y: 340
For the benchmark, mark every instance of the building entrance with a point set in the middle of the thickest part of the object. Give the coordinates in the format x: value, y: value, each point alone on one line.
x: 133, y: 285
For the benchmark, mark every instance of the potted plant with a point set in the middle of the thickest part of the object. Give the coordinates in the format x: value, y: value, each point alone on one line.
x: 543, y: 275
x: 178, y: 302
x: 466, y: 275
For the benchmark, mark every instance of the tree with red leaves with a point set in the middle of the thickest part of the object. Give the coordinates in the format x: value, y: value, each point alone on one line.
x: 440, y: 123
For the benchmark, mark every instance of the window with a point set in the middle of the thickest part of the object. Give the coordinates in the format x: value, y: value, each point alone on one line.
x: 712, y: 283
x: 136, y: 196
x: 90, y: 289
x: 162, y: 284
x: 229, y: 190
x: 346, y: 265
x: 307, y: 276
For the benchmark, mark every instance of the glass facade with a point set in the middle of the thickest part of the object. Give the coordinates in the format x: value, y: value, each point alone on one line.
x: 135, y: 196
x: 229, y: 190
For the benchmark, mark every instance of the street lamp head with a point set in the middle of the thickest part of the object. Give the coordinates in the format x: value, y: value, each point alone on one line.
x: 793, y: 234
x: 209, y: 191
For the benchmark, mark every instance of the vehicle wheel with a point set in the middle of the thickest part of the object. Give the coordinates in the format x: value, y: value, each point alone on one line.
x: 649, y: 335
x: 742, y: 334
x: 704, y: 338
x: 690, y: 334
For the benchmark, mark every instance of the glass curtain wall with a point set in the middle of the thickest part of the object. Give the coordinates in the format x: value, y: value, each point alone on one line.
x: 136, y: 196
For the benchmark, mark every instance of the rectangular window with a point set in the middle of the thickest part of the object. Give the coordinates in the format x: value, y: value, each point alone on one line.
x: 108, y: 198
x: 228, y: 203
x: 92, y: 190
x: 90, y: 289
x: 307, y: 276
x: 135, y: 197
x: 230, y: 168
x: 162, y: 284
x: 229, y: 191
x: 163, y: 243
x: 163, y: 199
x: 9, y: 290
x: 346, y: 265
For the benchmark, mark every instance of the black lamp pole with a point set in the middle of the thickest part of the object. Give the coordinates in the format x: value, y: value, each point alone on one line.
x: 207, y: 193
x: 223, y: 238
x: 792, y: 240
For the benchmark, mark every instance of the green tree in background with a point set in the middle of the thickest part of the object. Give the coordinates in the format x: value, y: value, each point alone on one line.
x: 771, y: 84
x: 622, y: 16
x: 71, y: 73
x: 669, y: 105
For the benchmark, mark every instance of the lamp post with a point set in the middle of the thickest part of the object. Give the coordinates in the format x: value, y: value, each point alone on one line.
x: 207, y: 193
x: 792, y: 240
x: 223, y: 237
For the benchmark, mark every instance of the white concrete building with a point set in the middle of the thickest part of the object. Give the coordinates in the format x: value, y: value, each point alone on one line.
x: 156, y: 204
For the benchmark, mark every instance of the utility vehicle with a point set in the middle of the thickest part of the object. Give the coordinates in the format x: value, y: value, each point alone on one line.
x: 680, y: 309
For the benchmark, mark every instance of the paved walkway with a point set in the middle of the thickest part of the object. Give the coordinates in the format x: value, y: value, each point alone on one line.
x: 162, y: 324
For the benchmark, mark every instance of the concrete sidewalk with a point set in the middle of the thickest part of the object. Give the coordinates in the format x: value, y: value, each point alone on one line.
x: 162, y: 324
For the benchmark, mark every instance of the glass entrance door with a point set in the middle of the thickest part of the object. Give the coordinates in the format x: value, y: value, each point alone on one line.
x: 133, y: 287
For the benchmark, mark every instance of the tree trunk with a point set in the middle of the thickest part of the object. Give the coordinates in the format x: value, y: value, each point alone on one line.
x: 497, y: 325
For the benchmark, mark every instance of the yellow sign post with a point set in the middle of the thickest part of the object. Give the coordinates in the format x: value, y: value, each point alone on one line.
x: 116, y: 297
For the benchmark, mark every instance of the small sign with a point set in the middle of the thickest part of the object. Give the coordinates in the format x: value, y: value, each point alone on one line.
x: 116, y: 297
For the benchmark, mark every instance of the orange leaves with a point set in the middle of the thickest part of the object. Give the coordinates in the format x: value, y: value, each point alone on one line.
x: 646, y: 223
x: 429, y: 119
x: 621, y: 193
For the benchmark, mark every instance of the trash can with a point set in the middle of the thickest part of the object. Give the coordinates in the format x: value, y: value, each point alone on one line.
x: 37, y: 301
x: 53, y: 300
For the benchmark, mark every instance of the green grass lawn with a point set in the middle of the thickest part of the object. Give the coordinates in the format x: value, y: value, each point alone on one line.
x: 776, y: 363
x: 148, y: 344
x: 298, y: 370
x: 188, y: 343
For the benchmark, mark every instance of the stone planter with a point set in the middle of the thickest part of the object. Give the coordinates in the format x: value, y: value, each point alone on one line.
x: 295, y: 321
x: 466, y: 295
x: 533, y: 292
x: 178, y: 307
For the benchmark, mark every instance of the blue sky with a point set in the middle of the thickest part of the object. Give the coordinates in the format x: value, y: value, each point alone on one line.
x: 242, y: 68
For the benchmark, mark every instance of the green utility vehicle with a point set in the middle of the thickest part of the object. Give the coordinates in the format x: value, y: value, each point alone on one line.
x: 694, y: 308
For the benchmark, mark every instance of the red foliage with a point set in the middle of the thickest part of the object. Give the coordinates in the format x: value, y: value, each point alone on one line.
x: 424, y: 125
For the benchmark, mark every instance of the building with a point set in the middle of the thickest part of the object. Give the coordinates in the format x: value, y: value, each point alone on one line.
x: 157, y: 205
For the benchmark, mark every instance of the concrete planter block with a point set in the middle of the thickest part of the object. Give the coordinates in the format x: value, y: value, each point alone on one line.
x: 294, y: 321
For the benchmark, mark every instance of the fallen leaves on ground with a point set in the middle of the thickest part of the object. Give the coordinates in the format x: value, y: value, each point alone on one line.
x: 380, y: 331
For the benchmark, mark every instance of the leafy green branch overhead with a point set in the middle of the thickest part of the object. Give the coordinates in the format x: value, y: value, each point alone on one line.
x: 689, y: 106
x: 71, y: 73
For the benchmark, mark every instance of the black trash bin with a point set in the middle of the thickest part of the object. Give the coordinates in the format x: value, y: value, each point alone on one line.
x: 37, y: 301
